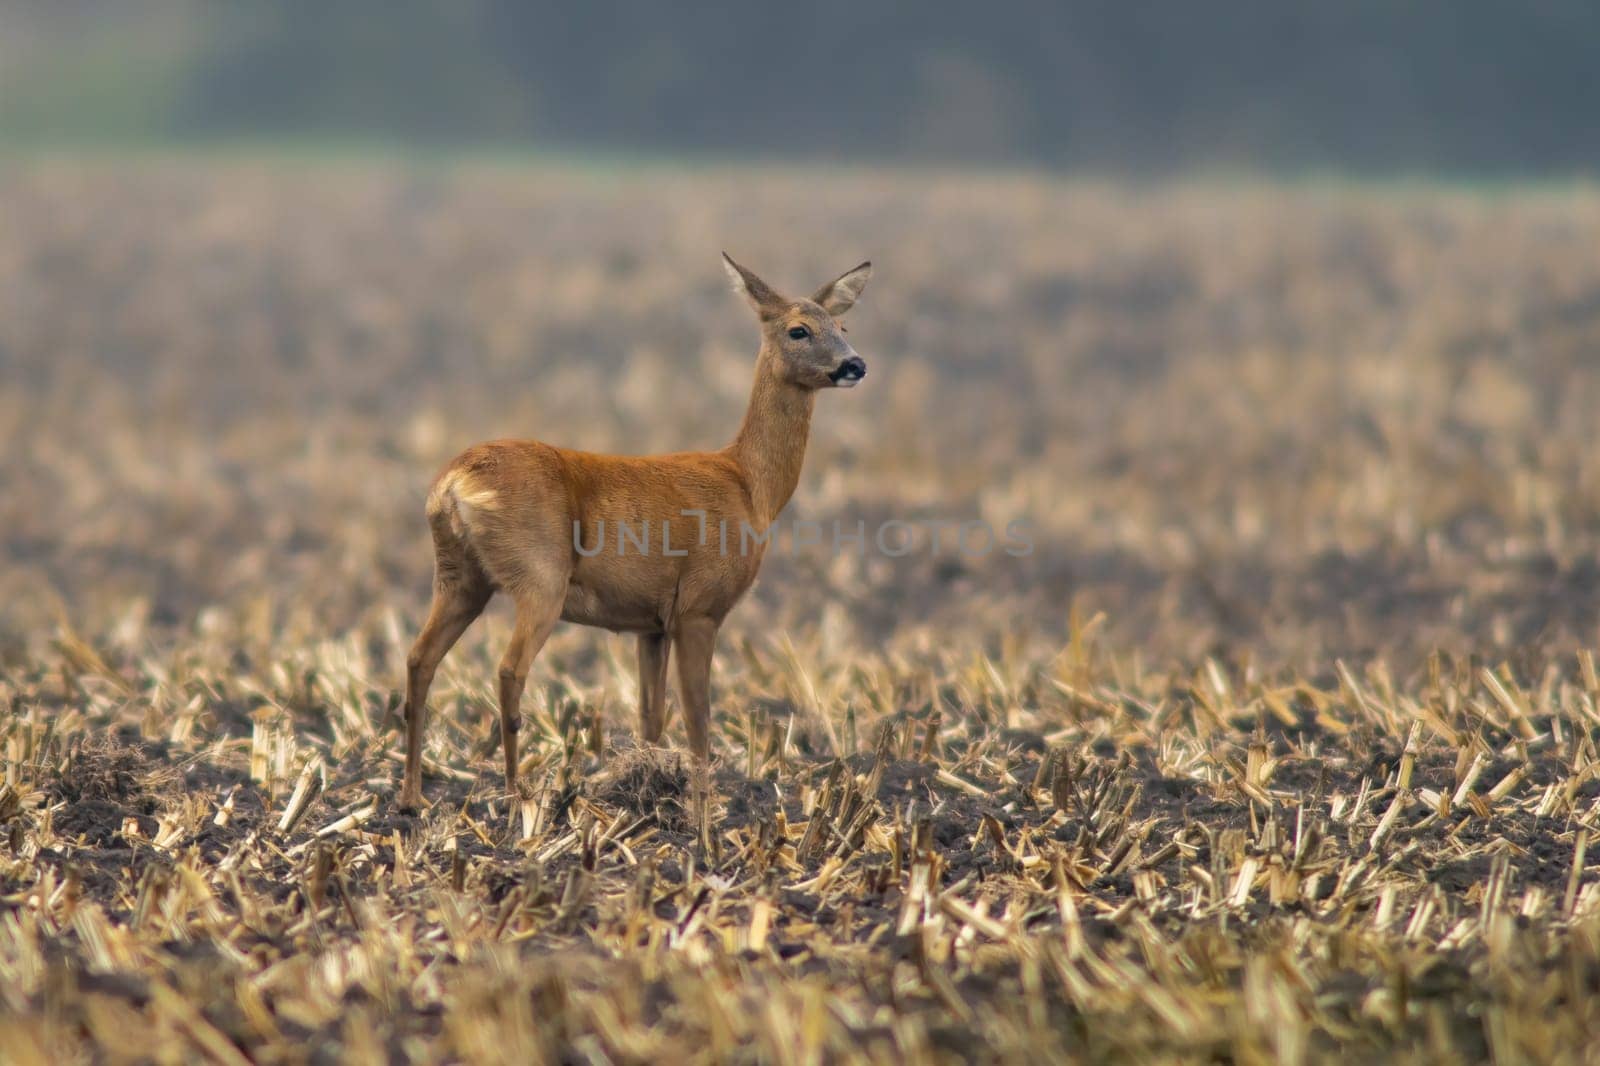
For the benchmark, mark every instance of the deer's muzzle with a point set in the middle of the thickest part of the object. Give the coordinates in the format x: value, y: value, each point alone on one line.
x: 849, y: 372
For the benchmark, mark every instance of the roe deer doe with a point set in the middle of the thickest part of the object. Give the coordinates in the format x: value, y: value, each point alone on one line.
x: 520, y: 516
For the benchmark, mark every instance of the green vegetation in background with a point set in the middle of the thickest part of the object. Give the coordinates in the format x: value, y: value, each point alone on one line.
x: 1474, y: 87
x: 119, y: 78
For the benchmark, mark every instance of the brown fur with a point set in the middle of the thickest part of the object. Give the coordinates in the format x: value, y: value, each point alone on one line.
x: 503, y: 516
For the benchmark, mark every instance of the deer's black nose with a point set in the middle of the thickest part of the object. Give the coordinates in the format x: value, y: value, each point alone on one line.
x: 850, y: 371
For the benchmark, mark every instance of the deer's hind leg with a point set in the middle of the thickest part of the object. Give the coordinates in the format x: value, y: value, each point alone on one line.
x: 460, y: 592
x: 538, y: 610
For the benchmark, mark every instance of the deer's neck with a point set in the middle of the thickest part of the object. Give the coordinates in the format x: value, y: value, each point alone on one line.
x: 771, y: 444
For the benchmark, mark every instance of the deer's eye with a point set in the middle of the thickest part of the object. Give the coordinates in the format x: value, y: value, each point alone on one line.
x: 799, y: 333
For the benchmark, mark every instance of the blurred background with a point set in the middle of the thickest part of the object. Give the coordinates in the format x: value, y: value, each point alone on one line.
x: 1147, y: 276
x: 1473, y: 87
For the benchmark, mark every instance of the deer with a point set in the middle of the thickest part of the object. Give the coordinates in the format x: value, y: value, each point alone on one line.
x: 529, y: 519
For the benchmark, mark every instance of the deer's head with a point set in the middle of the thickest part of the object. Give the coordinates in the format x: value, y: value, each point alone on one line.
x: 804, y: 337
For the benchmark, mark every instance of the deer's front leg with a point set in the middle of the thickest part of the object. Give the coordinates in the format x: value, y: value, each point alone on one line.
x: 693, y: 641
x: 653, y: 655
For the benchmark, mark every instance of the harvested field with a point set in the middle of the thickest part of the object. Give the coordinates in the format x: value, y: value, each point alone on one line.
x: 1280, y: 744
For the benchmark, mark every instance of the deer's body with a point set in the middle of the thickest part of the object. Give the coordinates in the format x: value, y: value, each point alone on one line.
x: 656, y: 499
x: 653, y: 545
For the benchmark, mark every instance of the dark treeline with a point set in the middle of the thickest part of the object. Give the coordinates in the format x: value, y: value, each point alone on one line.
x: 1465, y: 85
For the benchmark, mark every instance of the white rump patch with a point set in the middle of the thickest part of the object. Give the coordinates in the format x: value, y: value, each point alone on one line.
x: 459, y: 497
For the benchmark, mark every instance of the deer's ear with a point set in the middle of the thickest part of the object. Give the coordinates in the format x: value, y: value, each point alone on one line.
x: 839, y: 295
x: 762, y: 297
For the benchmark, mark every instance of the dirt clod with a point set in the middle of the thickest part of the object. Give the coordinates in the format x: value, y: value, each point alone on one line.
x: 651, y: 783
